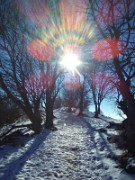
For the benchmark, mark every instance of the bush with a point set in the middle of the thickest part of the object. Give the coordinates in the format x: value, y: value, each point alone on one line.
x: 9, y: 111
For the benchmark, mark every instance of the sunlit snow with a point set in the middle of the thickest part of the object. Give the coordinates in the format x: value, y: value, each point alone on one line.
x: 78, y: 150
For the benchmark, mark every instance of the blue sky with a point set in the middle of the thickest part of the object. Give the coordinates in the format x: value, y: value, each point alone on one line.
x: 108, y: 109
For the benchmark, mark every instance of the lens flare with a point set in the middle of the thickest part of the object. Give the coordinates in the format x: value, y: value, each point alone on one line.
x: 57, y: 24
x: 39, y: 50
x: 70, y: 61
x: 111, y: 11
x: 71, y: 58
x: 73, y: 15
x: 37, y: 82
x: 72, y: 82
x: 103, y: 81
x: 106, y: 49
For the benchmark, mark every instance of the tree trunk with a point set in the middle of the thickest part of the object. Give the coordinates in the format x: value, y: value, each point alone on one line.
x: 130, y: 128
x: 97, y: 111
x: 49, y: 111
x: 36, y: 124
x: 35, y: 119
x: 81, y: 104
x: 129, y: 100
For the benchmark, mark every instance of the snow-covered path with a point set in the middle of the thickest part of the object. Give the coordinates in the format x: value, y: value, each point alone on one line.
x: 77, y: 151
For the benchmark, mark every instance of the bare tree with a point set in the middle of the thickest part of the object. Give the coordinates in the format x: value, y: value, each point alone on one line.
x: 52, y: 89
x: 28, y: 73
x: 115, y: 21
x: 19, y: 76
x: 71, y: 85
x: 101, y: 86
x: 83, y: 94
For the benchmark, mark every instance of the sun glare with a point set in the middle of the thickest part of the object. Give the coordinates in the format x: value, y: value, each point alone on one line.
x: 70, y: 61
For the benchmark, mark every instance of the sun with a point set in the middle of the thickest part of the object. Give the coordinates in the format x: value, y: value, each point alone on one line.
x: 70, y: 61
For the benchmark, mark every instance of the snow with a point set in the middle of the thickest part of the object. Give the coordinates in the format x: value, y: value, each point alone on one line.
x: 78, y: 150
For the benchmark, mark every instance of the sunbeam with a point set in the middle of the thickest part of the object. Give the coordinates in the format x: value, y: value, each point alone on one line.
x: 70, y: 61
